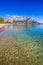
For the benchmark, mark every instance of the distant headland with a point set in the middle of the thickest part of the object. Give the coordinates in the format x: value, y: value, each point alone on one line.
x: 20, y: 19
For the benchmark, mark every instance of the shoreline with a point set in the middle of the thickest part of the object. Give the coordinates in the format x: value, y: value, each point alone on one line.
x: 2, y: 25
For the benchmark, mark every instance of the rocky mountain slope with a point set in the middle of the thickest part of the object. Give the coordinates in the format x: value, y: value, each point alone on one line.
x: 20, y: 19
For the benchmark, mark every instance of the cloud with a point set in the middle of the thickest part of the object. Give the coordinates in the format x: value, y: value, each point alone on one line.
x: 8, y: 15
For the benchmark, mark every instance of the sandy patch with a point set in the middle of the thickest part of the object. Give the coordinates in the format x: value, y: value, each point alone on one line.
x: 2, y: 25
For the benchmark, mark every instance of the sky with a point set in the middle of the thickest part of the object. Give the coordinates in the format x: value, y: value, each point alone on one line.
x: 30, y: 8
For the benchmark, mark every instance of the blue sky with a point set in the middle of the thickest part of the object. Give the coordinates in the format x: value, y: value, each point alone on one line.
x: 31, y: 8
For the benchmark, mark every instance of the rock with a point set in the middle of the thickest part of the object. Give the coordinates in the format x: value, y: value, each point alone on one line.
x: 20, y: 19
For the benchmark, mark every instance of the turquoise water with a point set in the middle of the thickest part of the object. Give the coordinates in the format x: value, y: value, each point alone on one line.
x: 21, y: 45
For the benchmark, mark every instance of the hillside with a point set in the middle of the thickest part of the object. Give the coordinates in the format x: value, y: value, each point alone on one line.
x: 20, y: 19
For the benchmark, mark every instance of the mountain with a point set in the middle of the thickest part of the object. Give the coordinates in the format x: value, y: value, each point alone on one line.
x: 20, y: 19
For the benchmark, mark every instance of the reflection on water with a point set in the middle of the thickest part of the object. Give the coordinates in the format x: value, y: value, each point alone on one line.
x: 2, y: 29
x: 21, y: 45
x: 13, y: 26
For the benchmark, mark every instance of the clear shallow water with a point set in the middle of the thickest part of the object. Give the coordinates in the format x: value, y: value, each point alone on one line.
x: 21, y: 45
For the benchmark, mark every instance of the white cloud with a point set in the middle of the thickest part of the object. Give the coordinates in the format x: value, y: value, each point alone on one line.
x: 8, y: 15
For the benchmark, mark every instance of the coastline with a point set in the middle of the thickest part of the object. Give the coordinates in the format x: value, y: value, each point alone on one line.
x: 2, y: 25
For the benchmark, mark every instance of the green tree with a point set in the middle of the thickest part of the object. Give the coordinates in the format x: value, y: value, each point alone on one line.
x: 1, y: 20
